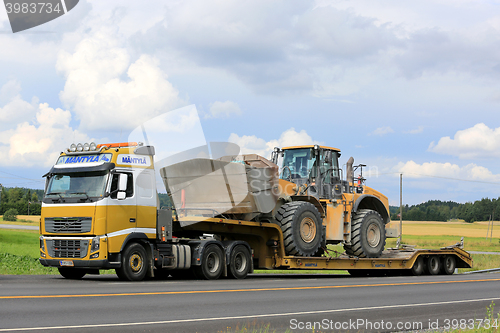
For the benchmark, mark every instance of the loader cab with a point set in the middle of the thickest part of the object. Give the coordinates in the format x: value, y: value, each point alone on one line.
x: 314, y: 168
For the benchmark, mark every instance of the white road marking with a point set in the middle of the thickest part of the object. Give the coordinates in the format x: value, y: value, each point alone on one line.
x: 245, y: 317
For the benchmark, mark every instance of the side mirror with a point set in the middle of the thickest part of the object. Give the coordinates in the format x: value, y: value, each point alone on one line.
x: 122, y: 186
x: 122, y: 182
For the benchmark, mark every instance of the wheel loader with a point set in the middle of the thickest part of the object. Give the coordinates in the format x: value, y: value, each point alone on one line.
x: 310, y: 199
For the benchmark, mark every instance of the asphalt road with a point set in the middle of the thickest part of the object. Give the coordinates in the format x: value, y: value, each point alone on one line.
x: 19, y: 227
x: 103, y: 303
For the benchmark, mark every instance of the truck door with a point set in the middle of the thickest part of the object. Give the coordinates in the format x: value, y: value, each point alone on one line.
x: 121, y: 213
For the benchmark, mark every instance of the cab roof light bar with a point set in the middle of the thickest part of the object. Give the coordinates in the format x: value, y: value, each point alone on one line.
x: 119, y: 145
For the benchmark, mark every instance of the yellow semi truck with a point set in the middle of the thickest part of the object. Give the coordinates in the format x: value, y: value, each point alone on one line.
x: 230, y: 215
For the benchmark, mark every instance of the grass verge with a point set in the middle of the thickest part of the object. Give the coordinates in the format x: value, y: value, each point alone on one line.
x: 11, y: 264
x: 490, y: 324
x: 251, y: 328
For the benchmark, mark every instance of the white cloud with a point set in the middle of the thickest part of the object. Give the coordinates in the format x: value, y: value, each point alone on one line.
x: 417, y: 130
x: 329, y: 48
x: 39, y: 141
x: 15, y: 109
x: 470, y: 172
x: 479, y: 141
x: 98, y: 94
x: 223, y: 110
x: 382, y: 131
x: 250, y: 144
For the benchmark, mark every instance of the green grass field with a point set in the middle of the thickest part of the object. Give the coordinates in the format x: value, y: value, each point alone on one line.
x: 435, y: 242
x: 19, y: 253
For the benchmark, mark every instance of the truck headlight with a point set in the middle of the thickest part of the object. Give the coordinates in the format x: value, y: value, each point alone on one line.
x: 42, y: 244
x: 96, y: 243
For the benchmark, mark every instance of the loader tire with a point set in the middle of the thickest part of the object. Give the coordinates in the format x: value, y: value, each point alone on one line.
x: 367, y: 234
x: 301, y: 225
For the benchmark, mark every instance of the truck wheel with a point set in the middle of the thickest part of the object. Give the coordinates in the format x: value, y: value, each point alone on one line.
x: 72, y: 273
x: 301, y: 225
x: 134, y: 263
x: 239, y: 262
x: 211, y: 263
x: 433, y: 265
x: 448, y: 265
x: 367, y: 235
x: 418, y: 266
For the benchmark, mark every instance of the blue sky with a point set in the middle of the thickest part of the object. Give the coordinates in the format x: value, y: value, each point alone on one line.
x: 406, y: 87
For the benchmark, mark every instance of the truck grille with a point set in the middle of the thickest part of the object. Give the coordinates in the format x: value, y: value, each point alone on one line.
x: 67, y: 248
x: 68, y: 224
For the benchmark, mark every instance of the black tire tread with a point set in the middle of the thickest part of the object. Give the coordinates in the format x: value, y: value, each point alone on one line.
x: 356, y: 249
x: 285, y: 217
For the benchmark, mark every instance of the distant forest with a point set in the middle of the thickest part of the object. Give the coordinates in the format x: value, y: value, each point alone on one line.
x: 433, y: 210
x: 436, y: 210
x: 20, y: 199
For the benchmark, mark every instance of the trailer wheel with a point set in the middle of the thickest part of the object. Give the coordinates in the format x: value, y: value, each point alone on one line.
x: 72, y: 273
x: 301, y: 225
x: 367, y: 234
x: 418, y: 266
x: 211, y: 263
x: 433, y: 265
x: 134, y: 263
x: 239, y: 262
x: 448, y: 265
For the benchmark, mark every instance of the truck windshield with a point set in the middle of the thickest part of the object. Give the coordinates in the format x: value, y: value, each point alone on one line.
x: 78, y: 184
x: 297, y: 163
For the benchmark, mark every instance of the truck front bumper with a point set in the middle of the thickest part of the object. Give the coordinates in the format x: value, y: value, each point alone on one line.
x: 91, y: 264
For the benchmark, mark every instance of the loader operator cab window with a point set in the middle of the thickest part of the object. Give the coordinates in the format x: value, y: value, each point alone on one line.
x: 298, y: 163
x: 329, y: 166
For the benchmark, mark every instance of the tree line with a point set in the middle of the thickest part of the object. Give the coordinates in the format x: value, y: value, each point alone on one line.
x: 433, y: 210
x: 19, y: 199
x: 436, y: 210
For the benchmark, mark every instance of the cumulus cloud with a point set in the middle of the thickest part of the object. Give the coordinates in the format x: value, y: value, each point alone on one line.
x: 471, y: 172
x: 284, y: 50
x: 107, y: 91
x: 14, y: 109
x: 39, y: 141
x: 327, y: 48
x: 382, y: 131
x: 478, y: 141
x: 250, y: 144
x: 223, y: 110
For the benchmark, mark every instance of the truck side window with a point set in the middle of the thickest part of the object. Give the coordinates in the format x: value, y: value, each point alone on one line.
x: 114, y: 185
